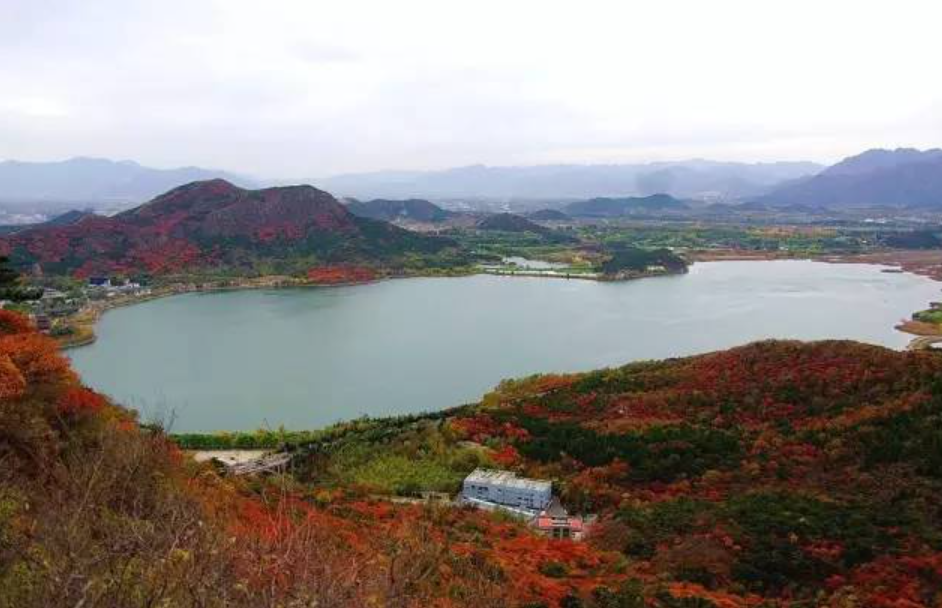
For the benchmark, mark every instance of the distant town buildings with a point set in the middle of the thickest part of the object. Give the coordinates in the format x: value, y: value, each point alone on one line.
x: 109, y: 288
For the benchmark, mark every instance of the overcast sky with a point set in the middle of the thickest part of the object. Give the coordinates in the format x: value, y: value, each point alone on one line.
x: 313, y: 87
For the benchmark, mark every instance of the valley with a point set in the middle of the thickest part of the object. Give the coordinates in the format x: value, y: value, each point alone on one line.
x: 483, y: 304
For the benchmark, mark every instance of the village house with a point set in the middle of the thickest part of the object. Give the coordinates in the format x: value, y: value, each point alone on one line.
x: 556, y: 522
x: 486, y: 487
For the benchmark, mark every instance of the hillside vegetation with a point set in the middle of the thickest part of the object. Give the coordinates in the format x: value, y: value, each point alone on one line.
x: 96, y: 510
x: 775, y: 474
x: 214, y: 225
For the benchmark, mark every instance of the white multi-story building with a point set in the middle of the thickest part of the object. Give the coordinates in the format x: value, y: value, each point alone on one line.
x: 504, y: 488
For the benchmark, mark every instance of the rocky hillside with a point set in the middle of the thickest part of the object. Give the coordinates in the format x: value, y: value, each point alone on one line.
x: 212, y: 225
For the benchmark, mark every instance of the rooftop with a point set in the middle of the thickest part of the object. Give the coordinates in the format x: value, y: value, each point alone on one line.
x: 507, y: 479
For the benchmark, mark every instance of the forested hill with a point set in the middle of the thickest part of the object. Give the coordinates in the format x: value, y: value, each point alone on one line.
x: 778, y: 474
x: 774, y: 474
x: 214, y: 224
x: 415, y: 210
x: 620, y: 207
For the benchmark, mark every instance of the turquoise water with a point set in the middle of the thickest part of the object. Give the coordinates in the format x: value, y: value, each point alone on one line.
x: 308, y: 357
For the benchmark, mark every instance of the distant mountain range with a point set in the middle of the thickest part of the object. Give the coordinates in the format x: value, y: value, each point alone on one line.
x: 215, y: 224
x: 901, y: 178
x: 415, y: 210
x: 96, y: 180
x: 99, y: 181
x: 686, y: 179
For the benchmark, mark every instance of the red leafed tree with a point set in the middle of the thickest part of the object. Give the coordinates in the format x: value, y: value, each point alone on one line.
x: 12, y: 382
x: 80, y: 401
x: 13, y: 323
x: 37, y: 358
x: 334, y: 275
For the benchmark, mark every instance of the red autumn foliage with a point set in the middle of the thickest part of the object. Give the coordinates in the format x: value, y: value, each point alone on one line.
x: 196, y: 225
x: 80, y: 401
x: 481, y: 427
x: 893, y: 582
x: 795, y: 513
x: 36, y: 357
x: 717, y: 598
x: 343, y: 274
x: 12, y: 382
x: 507, y: 456
x: 14, y: 323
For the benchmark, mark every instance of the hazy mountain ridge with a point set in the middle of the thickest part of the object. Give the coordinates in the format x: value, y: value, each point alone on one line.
x: 904, y: 177
x: 901, y: 177
x: 94, y: 180
x: 695, y: 178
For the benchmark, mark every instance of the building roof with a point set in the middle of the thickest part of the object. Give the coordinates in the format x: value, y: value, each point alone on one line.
x: 555, y: 509
x: 507, y: 479
x: 550, y: 523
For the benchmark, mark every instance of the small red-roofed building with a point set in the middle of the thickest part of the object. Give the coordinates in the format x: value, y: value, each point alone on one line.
x: 554, y: 521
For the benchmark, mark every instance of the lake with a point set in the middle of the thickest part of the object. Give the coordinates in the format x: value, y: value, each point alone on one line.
x: 304, y: 358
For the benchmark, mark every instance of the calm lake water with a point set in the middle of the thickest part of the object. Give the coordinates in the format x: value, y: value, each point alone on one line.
x: 305, y: 358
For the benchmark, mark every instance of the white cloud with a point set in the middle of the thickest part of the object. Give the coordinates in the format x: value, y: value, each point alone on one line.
x: 34, y: 107
x: 294, y: 88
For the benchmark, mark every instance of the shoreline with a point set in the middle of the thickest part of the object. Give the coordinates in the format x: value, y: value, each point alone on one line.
x: 85, y: 320
x: 920, y: 263
x: 918, y: 342
x: 924, y: 263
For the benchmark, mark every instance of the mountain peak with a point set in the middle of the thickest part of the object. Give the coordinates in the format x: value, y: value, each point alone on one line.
x: 389, y: 210
x: 204, y: 193
x: 904, y: 177
x: 881, y: 158
x: 211, y: 223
